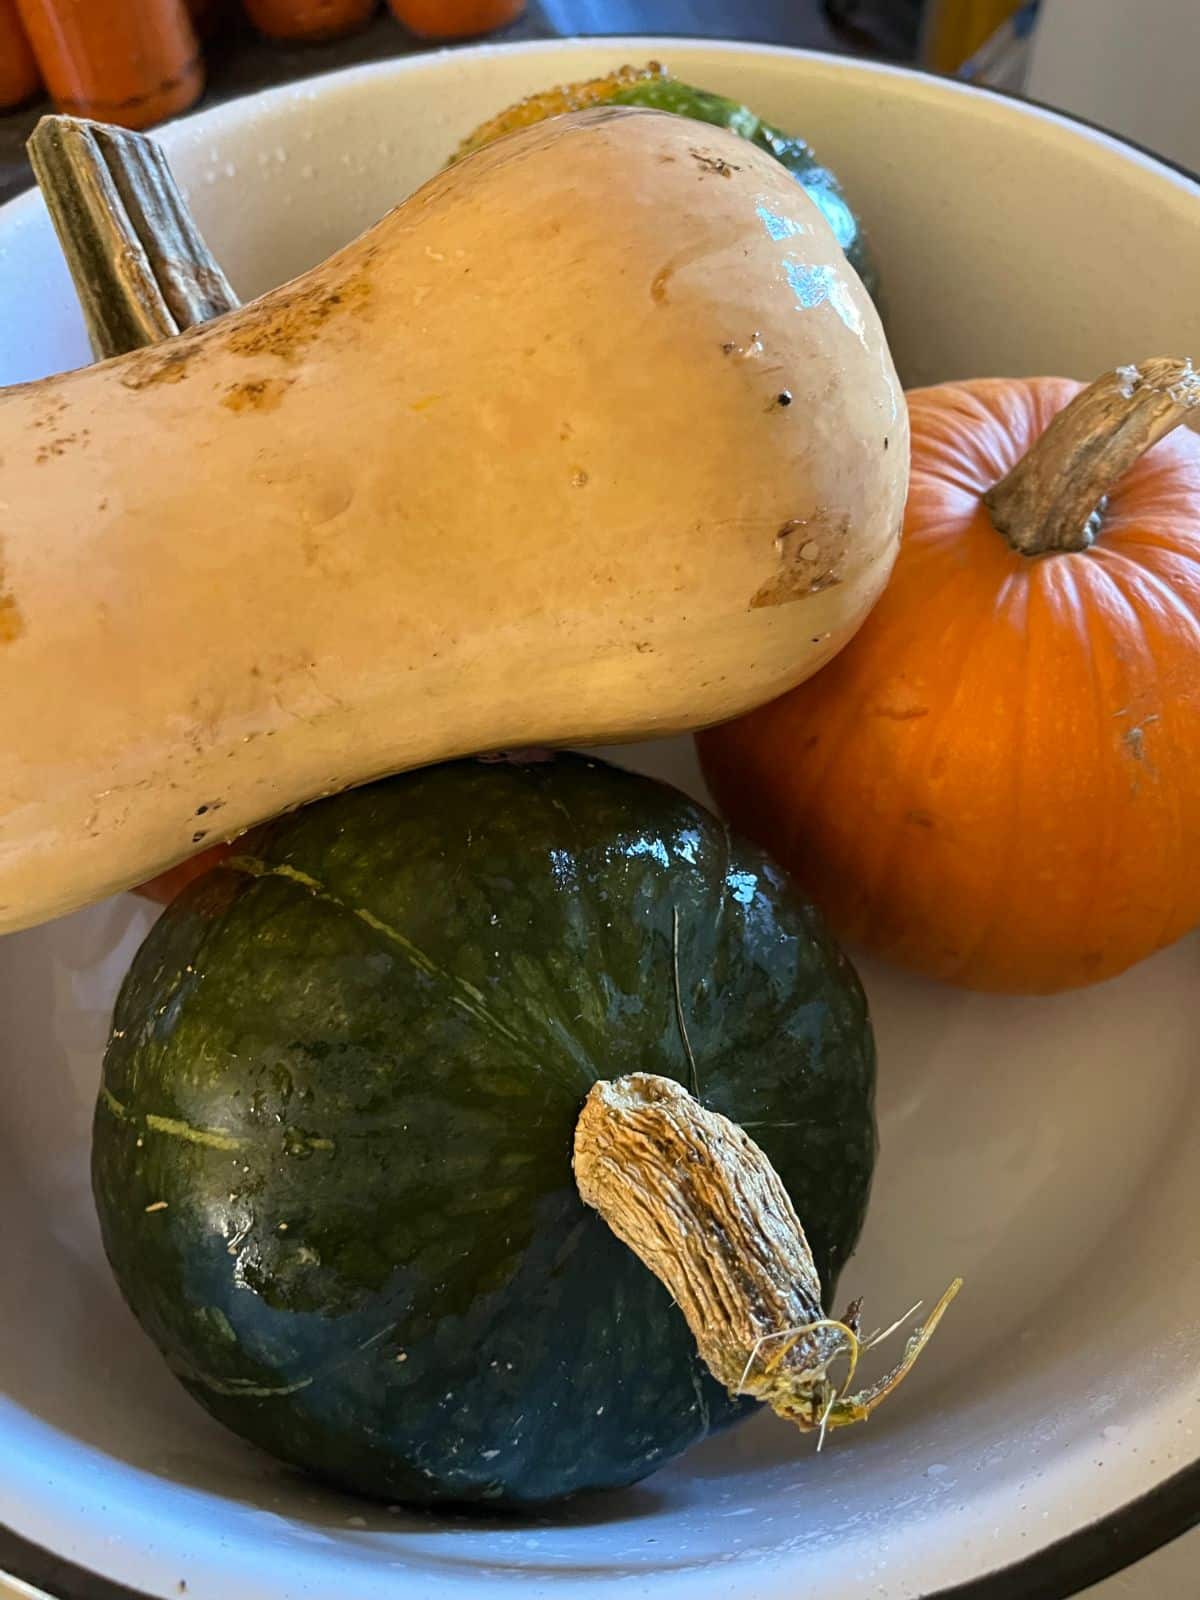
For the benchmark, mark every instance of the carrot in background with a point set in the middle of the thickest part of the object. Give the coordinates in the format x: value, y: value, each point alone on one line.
x: 455, y: 19
x: 308, y: 19
x: 19, y: 76
x: 132, y: 62
x: 205, y: 15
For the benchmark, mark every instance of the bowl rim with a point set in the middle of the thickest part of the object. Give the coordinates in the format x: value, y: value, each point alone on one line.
x: 1058, y: 1571
x: 1077, y: 1560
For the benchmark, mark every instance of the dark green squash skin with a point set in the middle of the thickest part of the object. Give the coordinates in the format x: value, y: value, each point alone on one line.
x: 351, y: 1067
x: 820, y: 184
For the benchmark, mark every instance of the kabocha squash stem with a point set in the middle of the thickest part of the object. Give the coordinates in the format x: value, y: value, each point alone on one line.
x: 140, y: 267
x: 698, y: 1203
x: 1054, y: 498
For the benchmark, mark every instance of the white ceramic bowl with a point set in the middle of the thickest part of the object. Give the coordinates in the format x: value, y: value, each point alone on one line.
x: 1048, y: 1150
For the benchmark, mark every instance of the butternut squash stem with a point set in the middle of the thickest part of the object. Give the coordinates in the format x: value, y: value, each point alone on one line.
x: 698, y: 1202
x: 1055, y: 497
x: 140, y: 266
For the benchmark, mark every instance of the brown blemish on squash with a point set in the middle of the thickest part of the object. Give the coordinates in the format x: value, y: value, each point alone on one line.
x: 775, y: 592
x: 281, y: 324
x: 809, y: 549
x: 12, y: 623
x: 660, y: 280
x: 159, y: 365
x: 60, y: 445
x: 711, y: 163
x: 901, y: 713
x: 1134, y: 739
x: 55, y: 406
x: 256, y: 394
x: 1134, y: 742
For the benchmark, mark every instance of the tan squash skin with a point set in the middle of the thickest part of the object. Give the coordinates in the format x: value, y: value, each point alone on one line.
x: 509, y: 469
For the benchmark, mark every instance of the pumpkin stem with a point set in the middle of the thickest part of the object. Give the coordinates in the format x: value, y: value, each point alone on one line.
x: 698, y: 1203
x: 1055, y: 496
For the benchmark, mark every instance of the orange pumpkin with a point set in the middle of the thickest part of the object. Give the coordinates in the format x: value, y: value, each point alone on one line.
x: 997, y: 783
x: 175, y: 879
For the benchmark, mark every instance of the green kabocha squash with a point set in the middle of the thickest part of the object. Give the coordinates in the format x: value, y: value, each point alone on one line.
x: 654, y: 88
x: 334, y: 1139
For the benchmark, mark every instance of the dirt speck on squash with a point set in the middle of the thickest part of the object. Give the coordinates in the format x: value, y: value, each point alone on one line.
x: 1134, y: 738
x: 1134, y: 742
x: 55, y: 405
x: 256, y: 394
x: 710, y: 163
x: 59, y: 445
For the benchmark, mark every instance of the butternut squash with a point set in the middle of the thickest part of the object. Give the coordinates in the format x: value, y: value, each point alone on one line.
x: 596, y: 437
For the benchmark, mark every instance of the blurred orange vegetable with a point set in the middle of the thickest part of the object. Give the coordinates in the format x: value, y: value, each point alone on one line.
x: 132, y: 62
x: 19, y: 76
x: 455, y: 19
x: 308, y: 19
